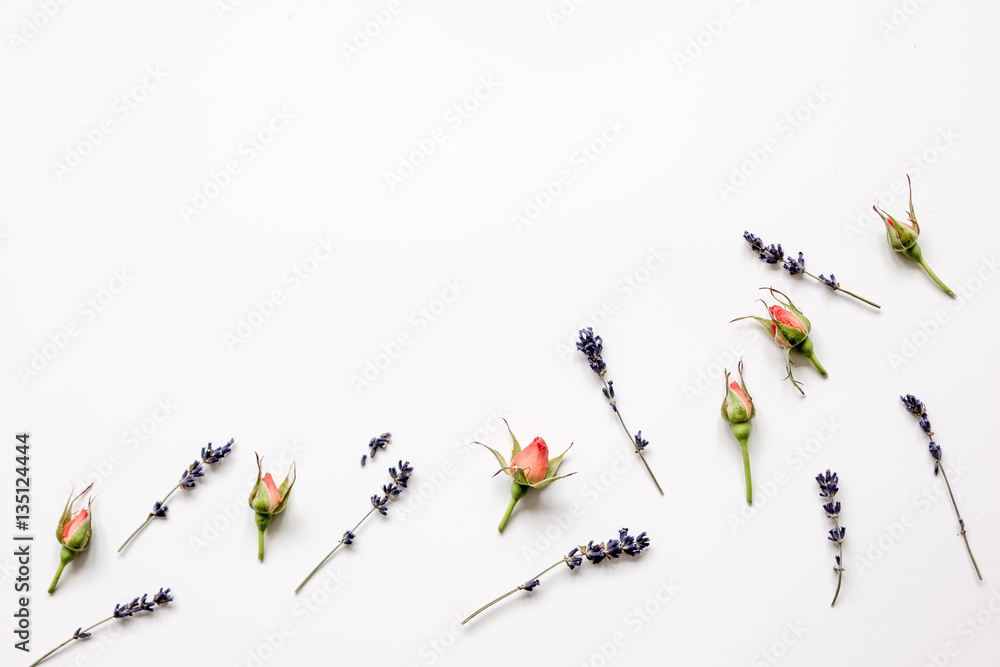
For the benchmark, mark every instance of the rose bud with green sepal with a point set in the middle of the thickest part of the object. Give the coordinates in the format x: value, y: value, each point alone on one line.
x: 529, y: 468
x: 73, y: 533
x: 267, y: 499
x: 902, y: 238
x: 738, y: 409
x: 789, y: 328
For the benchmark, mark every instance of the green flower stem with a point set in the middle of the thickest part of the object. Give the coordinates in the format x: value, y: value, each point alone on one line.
x: 805, y: 348
x: 961, y: 523
x: 517, y: 491
x: 263, y: 521
x: 148, y: 519
x: 840, y: 563
x: 838, y: 288
x: 65, y: 556
x: 69, y: 640
x: 631, y: 439
x: 742, y: 432
x: 333, y: 551
x: 934, y: 277
x: 511, y: 592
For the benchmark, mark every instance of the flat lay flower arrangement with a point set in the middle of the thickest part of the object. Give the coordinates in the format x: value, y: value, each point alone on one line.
x: 532, y: 468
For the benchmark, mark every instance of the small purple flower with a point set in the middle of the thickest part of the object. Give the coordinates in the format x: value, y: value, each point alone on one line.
x: 572, y: 559
x: 913, y: 404
x: 159, y: 509
x: 193, y: 471
x: 795, y: 266
x: 827, y: 484
x: 348, y: 537
x: 831, y: 281
x: 162, y: 597
x: 377, y: 443
x: 592, y: 346
x: 530, y: 585
x: 755, y: 243
x: 640, y: 442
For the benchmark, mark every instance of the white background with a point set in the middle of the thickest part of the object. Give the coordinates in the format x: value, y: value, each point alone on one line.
x: 894, y: 85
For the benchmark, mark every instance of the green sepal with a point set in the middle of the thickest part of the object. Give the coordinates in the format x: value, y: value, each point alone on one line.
x: 256, y: 486
x: 500, y: 459
x: 66, y: 555
x: 285, y: 489
x: 548, y: 480
x: 517, y: 447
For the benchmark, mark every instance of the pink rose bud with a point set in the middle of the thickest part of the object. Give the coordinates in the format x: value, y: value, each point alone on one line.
x: 268, y: 499
x: 533, y: 461
x: 73, y: 533
x: 902, y: 238
x: 789, y: 328
x: 529, y: 468
x: 738, y: 410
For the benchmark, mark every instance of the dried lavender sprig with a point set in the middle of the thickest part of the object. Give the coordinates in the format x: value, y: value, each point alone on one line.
x: 375, y: 444
x: 828, y: 487
x: 121, y: 611
x: 400, y: 475
x: 773, y: 254
x: 209, y: 455
x: 595, y: 553
x: 592, y: 347
x: 916, y: 408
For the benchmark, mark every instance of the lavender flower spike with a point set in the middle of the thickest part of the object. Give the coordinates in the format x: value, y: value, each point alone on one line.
x: 594, y: 552
x: 916, y: 408
x: 773, y: 254
x: 828, y: 487
x: 400, y: 475
x: 591, y: 345
x: 137, y: 605
x: 189, y: 479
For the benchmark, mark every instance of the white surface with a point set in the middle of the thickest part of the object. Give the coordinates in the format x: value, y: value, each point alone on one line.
x: 504, y: 343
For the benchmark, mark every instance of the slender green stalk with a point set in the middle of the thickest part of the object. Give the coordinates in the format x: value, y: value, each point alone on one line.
x: 935, y: 278
x: 260, y: 544
x: 746, y: 471
x: 334, y: 550
x: 69, y: 640
x: 961, y: 522
x: 840, y: 562
x: 631, y: 439
x: 55, y: 579
x: 511, y: 592
x: 148, y: 519
x: 838, y: 288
